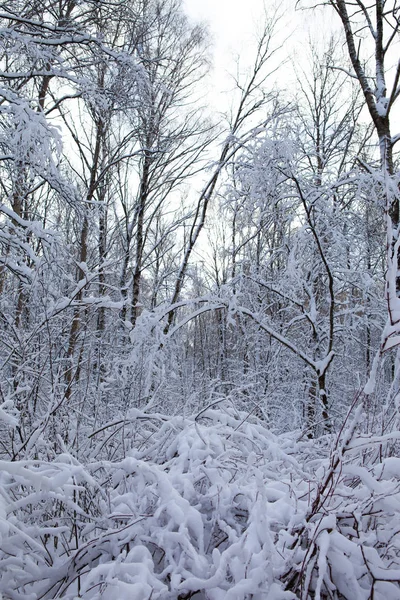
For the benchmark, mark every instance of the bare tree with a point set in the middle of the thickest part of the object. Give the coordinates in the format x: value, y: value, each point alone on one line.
x: 253, y: 98
x: 376, y: 27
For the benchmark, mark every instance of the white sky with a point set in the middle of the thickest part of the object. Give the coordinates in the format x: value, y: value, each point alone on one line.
x: 233, y: 26
x: 229, y: 20
x: 233, y: 21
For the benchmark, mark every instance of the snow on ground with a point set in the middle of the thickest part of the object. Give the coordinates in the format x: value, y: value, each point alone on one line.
x: 213, y: 507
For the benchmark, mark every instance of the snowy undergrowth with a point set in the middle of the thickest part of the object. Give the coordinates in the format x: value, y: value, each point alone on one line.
x: 213, y: 507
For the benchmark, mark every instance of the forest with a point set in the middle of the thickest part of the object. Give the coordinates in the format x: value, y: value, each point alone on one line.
x: 199, y: 310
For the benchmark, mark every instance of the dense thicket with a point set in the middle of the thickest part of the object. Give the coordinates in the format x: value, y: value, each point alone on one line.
x: 191, y: 308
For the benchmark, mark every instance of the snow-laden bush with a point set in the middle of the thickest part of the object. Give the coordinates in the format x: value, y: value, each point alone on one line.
x: 213, y: 507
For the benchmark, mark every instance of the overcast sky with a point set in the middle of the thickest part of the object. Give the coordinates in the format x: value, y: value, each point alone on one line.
x: 233, y: 21
x: 233, y: 25
x: 229, y: 20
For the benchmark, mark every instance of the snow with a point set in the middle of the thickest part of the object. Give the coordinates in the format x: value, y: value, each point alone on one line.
x: 322, y: 365
x: 215, y: 495
x: 219, y: 514
x: 382, y: 106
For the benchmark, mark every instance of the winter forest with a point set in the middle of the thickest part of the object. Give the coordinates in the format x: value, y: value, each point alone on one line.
x: 199, y: 307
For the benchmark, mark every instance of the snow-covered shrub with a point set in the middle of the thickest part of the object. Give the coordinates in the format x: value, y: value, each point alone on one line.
x: 210, y: 507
